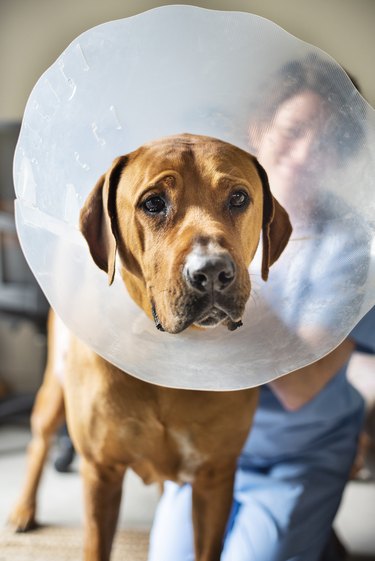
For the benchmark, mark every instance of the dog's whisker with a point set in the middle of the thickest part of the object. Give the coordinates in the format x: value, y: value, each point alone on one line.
x: 254, y: 297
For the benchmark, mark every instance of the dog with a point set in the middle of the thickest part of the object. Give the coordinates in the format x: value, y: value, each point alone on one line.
x: 184, y: 216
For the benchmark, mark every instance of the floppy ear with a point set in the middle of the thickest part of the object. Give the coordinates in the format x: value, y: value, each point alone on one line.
x: 276, y: 225
x: 98, y: 219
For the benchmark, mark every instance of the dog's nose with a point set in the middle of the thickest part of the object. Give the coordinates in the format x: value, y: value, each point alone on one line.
x: 209, y: 272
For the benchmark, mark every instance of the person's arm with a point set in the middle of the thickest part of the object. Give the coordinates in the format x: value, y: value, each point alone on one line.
x: 297, y: 388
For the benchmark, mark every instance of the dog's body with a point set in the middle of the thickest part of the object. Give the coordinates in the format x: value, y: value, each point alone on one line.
x: 184, y: 215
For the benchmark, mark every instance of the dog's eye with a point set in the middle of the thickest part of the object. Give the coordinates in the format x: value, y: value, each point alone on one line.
x: 238, y: 199
x: 154, y: 205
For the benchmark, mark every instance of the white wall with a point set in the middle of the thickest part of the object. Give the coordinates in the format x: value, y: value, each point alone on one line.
x: 33, y: 33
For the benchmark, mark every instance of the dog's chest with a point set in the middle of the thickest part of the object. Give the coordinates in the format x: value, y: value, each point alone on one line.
x: 168, y: 453
x: 190, y: 457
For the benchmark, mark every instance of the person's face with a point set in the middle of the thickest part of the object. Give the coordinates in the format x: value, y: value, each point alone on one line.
x: 288, y: 148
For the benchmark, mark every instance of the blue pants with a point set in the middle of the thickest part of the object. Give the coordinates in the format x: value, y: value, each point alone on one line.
x: 288, y: 487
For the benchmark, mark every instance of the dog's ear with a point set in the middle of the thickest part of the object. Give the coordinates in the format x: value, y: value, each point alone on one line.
x: 276, y: 228
x: 98, y: 219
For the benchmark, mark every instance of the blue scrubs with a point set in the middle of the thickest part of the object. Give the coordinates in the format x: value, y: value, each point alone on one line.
x: 290, y: 477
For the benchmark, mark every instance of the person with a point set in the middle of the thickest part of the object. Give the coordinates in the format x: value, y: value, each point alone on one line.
x: 296, y: 461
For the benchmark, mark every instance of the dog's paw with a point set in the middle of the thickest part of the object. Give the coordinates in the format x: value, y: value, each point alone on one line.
x: 22, y: 518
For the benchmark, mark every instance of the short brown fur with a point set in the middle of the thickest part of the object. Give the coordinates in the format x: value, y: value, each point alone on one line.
x: 117, y: 421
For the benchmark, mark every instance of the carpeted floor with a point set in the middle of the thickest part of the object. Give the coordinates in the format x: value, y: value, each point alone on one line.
x: 52, y: 543
x: 56, y: 543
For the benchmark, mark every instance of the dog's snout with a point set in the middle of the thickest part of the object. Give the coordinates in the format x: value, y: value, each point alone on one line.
x: 207, y: 272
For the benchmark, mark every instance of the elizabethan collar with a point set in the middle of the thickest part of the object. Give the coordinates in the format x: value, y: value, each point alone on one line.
x: 184, y: 69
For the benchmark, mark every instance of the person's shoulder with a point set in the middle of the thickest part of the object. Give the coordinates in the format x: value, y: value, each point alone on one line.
x: 364, y: 333
x: 329, y: 205
x: 332, y: 211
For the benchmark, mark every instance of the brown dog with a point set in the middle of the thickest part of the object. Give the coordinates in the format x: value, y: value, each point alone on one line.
x: 184, y: 214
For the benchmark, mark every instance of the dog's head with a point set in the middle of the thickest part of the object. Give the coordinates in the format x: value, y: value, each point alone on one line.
x: 185, y: 214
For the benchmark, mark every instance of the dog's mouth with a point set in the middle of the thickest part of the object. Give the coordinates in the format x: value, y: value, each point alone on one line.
x: 211, y: 318
x: 203, y: 316
x: 215, y: 317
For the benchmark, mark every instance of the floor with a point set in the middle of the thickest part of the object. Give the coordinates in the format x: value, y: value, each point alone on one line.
x: 60, y: 504
x: 63, y: 507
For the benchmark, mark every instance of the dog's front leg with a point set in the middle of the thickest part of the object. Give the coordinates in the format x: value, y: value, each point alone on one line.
x: 212, y: 501
x: 48, y: 414
x: 102, y: 493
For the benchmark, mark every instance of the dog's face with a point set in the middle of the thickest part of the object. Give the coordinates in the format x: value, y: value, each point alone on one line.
x: 185, y: 215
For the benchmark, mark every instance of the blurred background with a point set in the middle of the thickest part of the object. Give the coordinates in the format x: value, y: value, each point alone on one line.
x: 33, y: 33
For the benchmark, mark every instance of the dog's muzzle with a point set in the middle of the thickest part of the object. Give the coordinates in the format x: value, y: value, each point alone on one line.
x: 209, y: 272
x: 211, y: 292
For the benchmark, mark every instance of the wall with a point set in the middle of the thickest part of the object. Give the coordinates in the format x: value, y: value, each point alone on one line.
x: 34, y: 32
